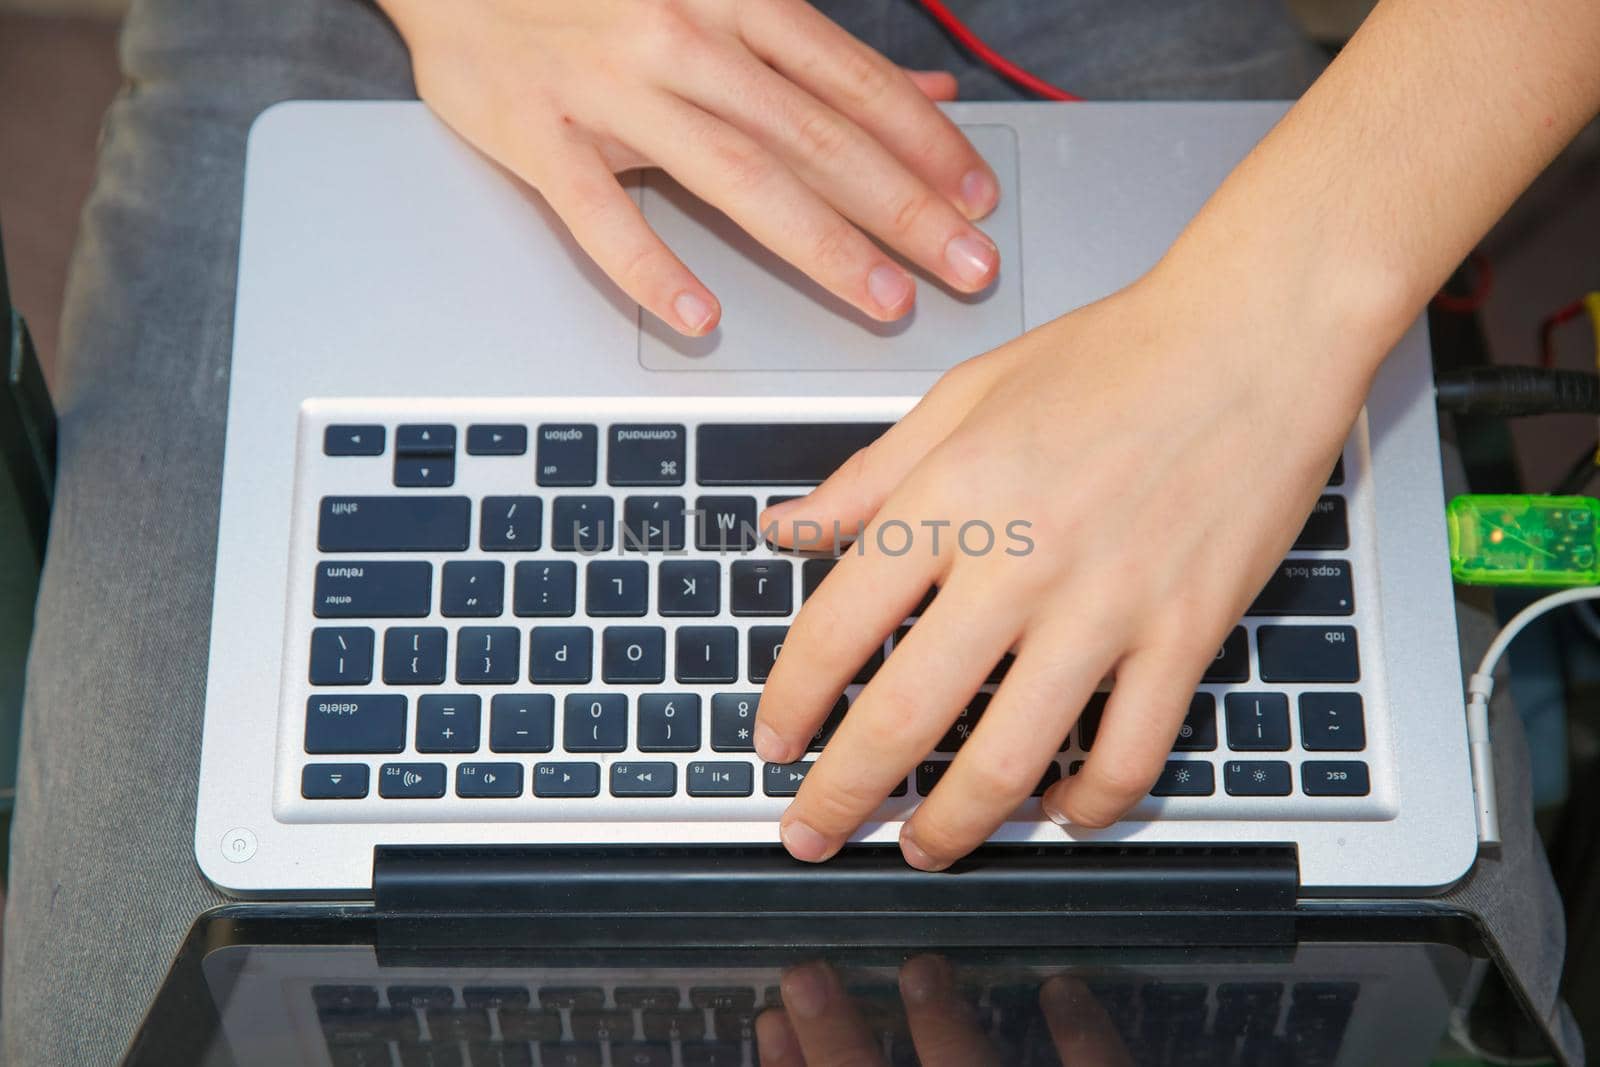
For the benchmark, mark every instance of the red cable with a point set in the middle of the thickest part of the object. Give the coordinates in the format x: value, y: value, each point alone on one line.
x: 1547, y: 329
x: 990, y: 58
x: 1474, y: 300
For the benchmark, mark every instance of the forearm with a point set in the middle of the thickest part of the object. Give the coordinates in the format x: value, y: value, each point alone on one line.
x: 1422, y: 132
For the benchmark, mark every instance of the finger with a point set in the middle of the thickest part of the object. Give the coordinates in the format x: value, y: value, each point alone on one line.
x: 849, y: 168
x: 1149, y: 698
x: 858, y: 489
x: 812, y: 50
x: 937, y: 85
x: 1001, y: 763
x: 608, y: 225
x: 944, y: 1027
x: 776, y: 1041
x: 763, y: 196
x: 843, y: 623
x: 900, y: 716
x: 1080, y: 1028
x: 828, y: 1026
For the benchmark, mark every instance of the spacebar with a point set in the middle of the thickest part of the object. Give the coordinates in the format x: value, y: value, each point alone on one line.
x: 778, y: 453
x: 394, y: 523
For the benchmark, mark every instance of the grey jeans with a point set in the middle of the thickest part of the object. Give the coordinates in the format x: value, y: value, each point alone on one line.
x: 103, y: 882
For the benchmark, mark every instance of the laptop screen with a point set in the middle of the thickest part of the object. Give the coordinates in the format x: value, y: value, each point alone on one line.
x: 344, y: 987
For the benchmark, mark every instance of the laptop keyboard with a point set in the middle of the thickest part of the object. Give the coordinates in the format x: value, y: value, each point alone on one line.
x: 567, y: 613
x: 663, y: 1024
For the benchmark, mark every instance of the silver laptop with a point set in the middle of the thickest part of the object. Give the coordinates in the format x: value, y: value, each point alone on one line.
x: 458, y: 602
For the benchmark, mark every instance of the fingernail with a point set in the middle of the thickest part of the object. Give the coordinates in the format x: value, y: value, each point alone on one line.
x: 804, y: 843
x: 891, y: 290
x: 694, y: 311
x: 1057, y: 816
x: 916, y: 855
x: 922, y: 979
x: 769, y: 746
x: 972, y: 260
x: 979, y: 193
x: 805, y: 991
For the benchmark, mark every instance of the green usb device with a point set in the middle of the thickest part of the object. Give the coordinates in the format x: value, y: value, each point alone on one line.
x: 1522, y: 539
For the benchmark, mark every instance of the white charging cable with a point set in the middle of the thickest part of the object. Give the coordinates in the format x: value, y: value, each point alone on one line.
x: 1481, y: 686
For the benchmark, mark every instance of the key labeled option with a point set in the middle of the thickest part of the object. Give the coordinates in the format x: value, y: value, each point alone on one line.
x: 489, y: 780
x: 566, y: 780
x: 393, y: 523
x: 360, y: 589
x: 640, y: 454
x: 566, y: 454
x: 411, y: 781
x: 356, y: 723
x: 333, y: 781
x: 644, y: 779
x: 720, y: 779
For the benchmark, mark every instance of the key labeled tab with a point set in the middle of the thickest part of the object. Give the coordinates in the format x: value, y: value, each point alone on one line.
x: 1308, y: 654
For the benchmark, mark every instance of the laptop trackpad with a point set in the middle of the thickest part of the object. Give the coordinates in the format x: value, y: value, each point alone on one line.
x: 775, y: 318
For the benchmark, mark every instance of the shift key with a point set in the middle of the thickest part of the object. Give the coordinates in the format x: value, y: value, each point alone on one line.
x: 394, y: 523
x: 359, y: 589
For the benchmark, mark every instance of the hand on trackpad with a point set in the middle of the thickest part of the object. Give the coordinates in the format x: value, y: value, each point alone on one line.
x: 777, y: 319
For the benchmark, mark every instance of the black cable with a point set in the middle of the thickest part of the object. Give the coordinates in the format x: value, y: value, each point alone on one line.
x: 1513, y: 391
x: 1578, y: 476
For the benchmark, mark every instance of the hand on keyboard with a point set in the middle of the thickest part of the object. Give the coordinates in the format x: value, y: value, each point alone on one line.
x: 1162, y: 451
x: 822, y: 1022
x: 802, y: 135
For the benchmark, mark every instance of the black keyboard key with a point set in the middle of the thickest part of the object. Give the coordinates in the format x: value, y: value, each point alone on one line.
x: 1307, y: 587
x: 928, y: 774
x: 499, y: 998
x: 341, y: 655
x: 472, y: 589
x: 355, y: 723
x: 1185, y: 778
x: 1334, y: 778
x: 424, y: 472
x: 413, y: 655
x: 713, y: 1054
x: 394, y: 523
x: 671, y: 1024
x: 421, y: 996
x: 1337, y: 477
x: 522, y: 722
x: 418, y: 1054
x: 582, y: 997
x: 568, y: 1054
x: 1051, y: 775
x: 448, y: 723
x: 333, y: 781
x: 488, y: 655
x: 510, y: 523
x: 1089, y: 720
x: 639, y: 454
x: 1327, y: 528
x: 644, y: 779
x: 793, y: 453
x: 566, y: 455
x: 344, y: 998
x: 762, y: 587
x: 783, y: 779
x: 1332, y: 722
x: 411, y: 781
x: 560, y: 655
x: 432, y: 439
x: 689, y: 588
x: 1199, y: 730
x: 457, y: 1024
x: 812, y: 571
x: 601, y: 1024
x: 616, y: 588
x: 733, y: 718
x: 640, y: 1054
x: 497, y: 440
x: 706, y: 654
x: 998, y: 672
x: 367, y: 590
x: 489, y: 780
x: 365, y: 440
x: 1308, y: 654
x: 669, y: 722
x: 633, y: 655
x: 1257, y: 722
x: 723, y: 998
x: 824, y: 733
x: 546, y: 589
x: 1256, y: 778
x: 726, y: 524
x: 720, y: 779
x: 1232, y: 661
x: 653, y: 524
x: 566, y: 780
x: 966, y: 722
x: 582, y: 523
x: 765, y: 644
x: 647, y: 998
x: 594, y: 722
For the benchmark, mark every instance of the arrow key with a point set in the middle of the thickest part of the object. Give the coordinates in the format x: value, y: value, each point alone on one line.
x: 424, y: 472
x: 354, y: 441
x: 497, y: 440
x: 643, y: 779
x: 783, y: 779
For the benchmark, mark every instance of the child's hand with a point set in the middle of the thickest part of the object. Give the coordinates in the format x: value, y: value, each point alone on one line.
x: 765, y: 109
x: 1165, y: 449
